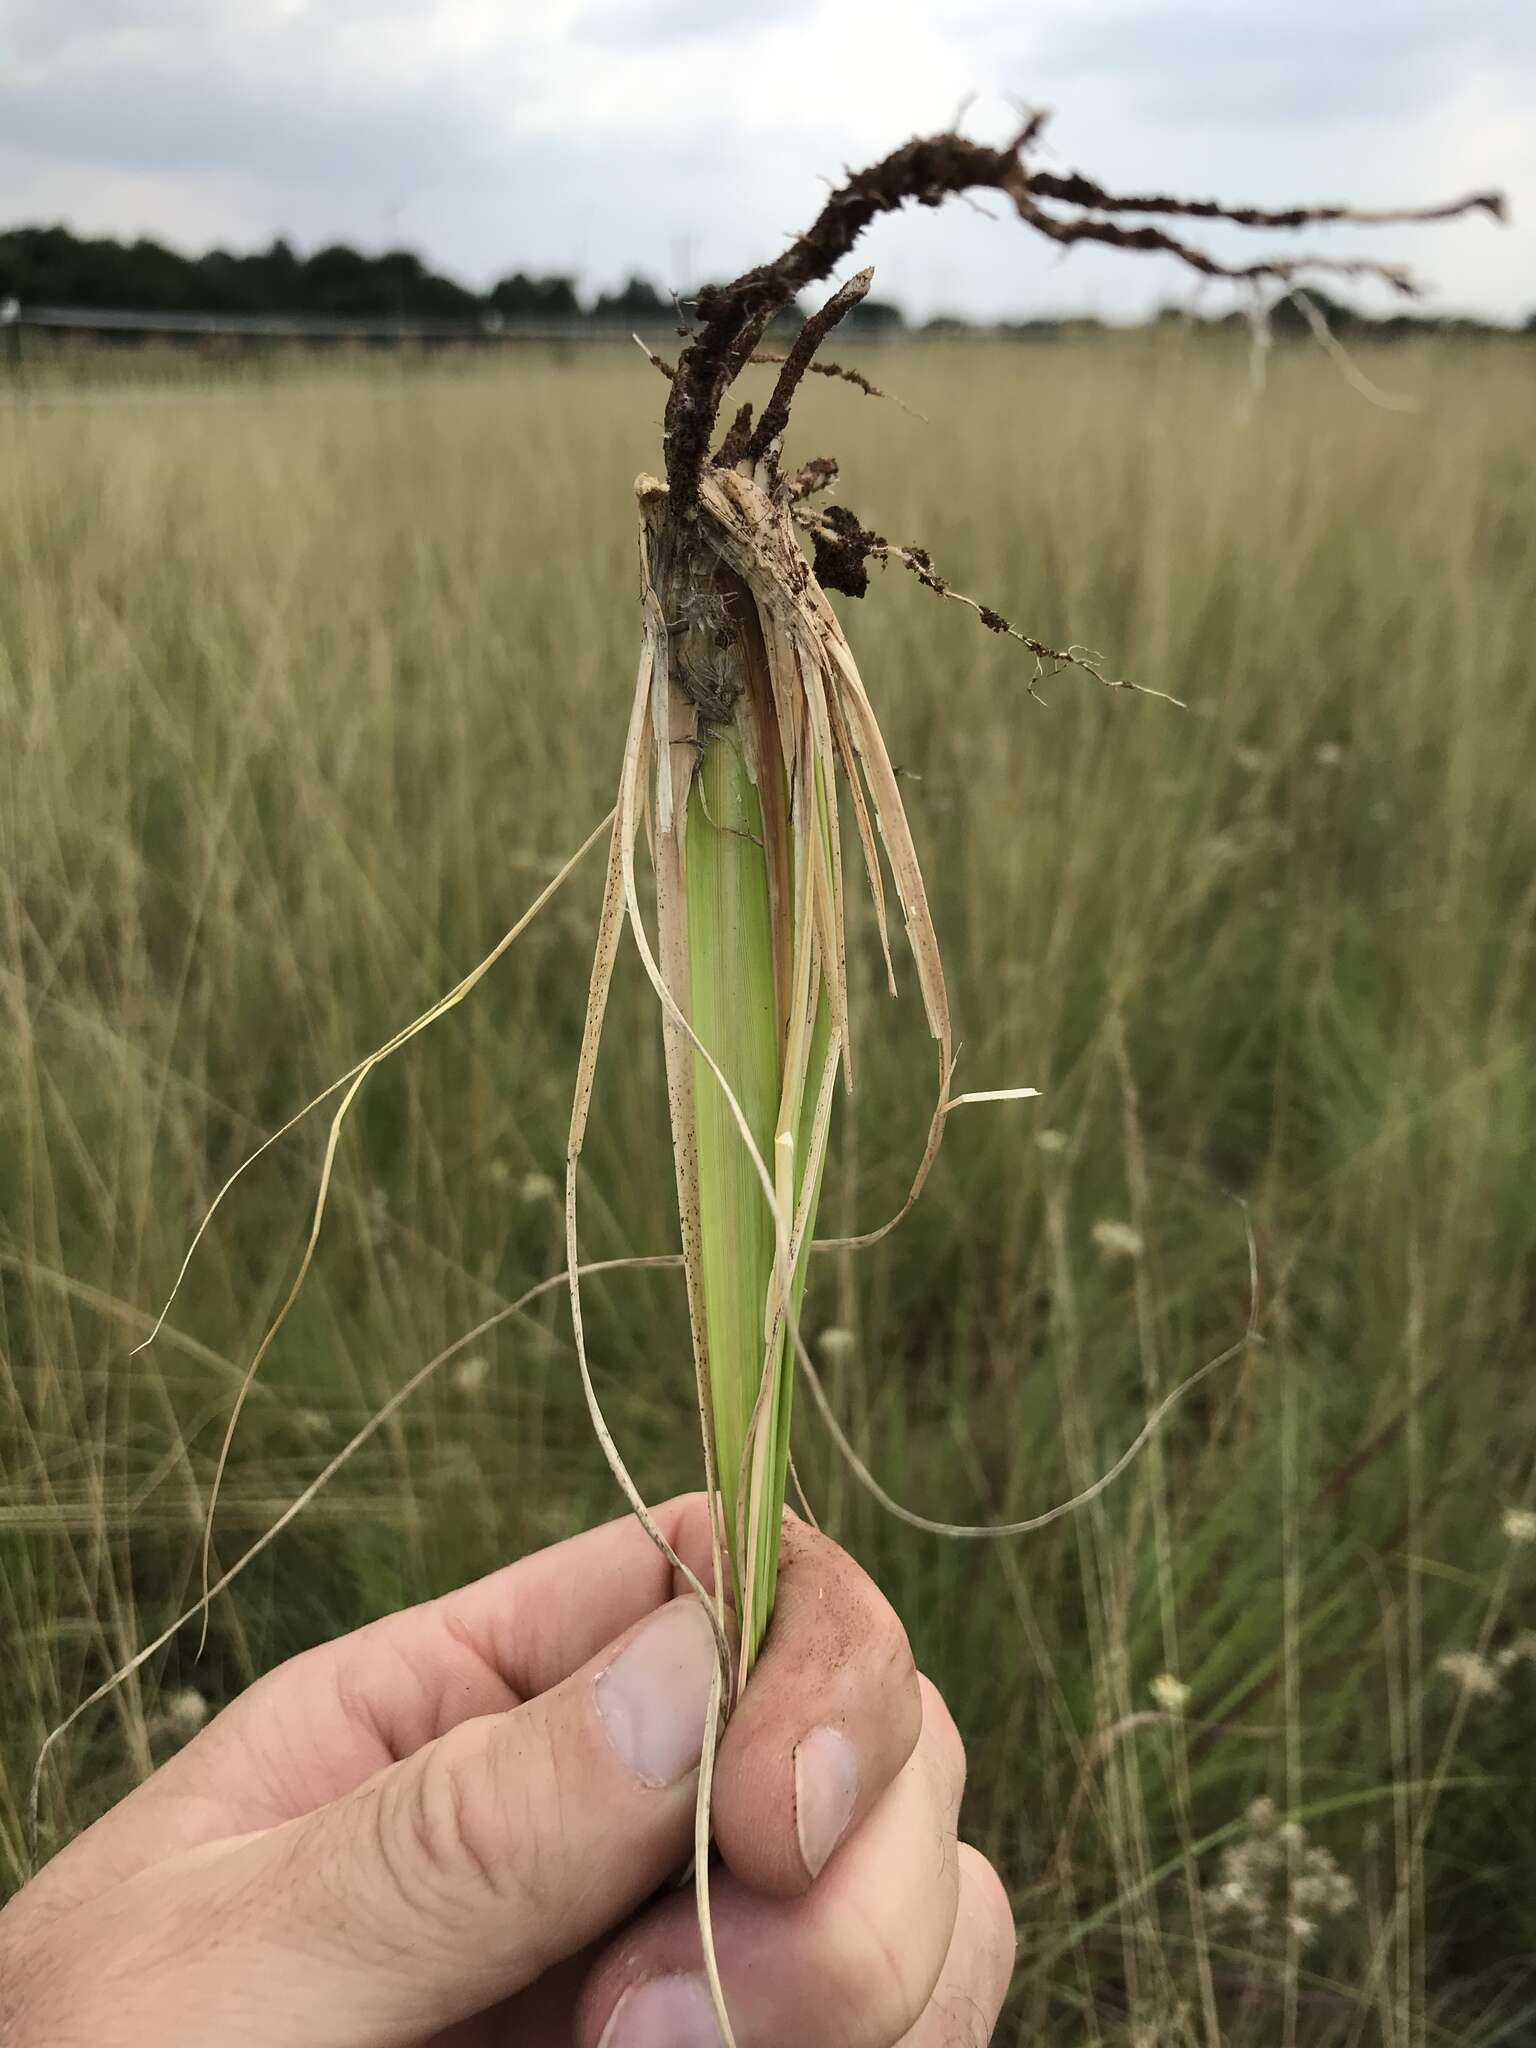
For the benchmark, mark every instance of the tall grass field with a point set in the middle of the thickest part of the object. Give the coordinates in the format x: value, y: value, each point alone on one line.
x: 310, y: 680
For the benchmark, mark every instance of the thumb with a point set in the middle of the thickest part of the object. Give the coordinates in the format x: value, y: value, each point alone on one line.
x: 444, y: 1884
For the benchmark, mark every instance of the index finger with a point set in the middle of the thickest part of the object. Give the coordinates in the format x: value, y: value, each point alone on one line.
x: 318, y: 1726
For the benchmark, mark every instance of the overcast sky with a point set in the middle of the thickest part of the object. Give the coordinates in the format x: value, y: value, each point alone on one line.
x: 686, y: 138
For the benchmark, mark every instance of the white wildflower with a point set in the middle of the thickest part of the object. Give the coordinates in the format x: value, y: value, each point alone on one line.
x: 1116, y: 1240
x: 1329, y: 754
x: 183, y: 1712
x: 1276, y: 1885
x: 1477, y: 1677
x: 1170, y: 1693
x: 1051, y: 1141
x: 537, y: 1187
x: 1322, y: 1886
x: 1520, y: 1525
x: 836, y: 1343
x: 1520, y: 1650
x: 471, y: 1374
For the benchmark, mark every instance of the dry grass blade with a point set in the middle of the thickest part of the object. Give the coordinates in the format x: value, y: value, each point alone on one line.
x: 370, y: 1428
x: 1030, y: 1524
x: 353, y: 1083
x: 360, y: 1072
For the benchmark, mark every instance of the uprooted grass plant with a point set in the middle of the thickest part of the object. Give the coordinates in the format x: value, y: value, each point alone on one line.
x: 760, y: 910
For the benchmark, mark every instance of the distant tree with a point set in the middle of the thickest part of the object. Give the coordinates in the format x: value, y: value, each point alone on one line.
x: 225, y: 283
x: 160, y: 278
x: 276, y: 277
x: 1287, y: 320
x: 338, y: 281
x: 419, y: 293
x: 875, y: 316
x: 519, y: 297
x: 639, y: 303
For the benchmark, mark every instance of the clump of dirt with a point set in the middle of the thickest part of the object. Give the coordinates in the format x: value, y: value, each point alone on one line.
x: 841, y: 551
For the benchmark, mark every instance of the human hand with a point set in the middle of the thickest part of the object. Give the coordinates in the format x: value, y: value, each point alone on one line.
x: 455, y: 1827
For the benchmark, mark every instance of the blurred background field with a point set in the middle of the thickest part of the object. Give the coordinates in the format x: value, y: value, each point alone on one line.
x: 308, y: 682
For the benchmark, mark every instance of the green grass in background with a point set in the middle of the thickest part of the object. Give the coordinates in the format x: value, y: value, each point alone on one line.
x: 308, y: 684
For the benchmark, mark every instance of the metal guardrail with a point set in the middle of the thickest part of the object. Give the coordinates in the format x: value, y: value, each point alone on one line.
x: 490, y: 327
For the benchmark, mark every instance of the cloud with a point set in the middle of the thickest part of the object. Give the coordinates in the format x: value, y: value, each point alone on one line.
x: 39, y: 29
x: 1301, y: 66
x: 176, y: 88
x: 663, y: 24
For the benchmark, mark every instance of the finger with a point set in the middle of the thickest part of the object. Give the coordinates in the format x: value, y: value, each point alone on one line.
x: 443, y: 1885
x: 852, y: 1964
x: 831, y: 1715
x: 962, y: 2012
x: 974, y: 1981
x: 402, y: 1681
x: 323, y: 1723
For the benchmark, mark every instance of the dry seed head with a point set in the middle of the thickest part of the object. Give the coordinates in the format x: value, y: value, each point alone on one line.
x: 470, y: 1374
x: 183, y: 1712
x: 1276, y: 1887
x: 1477, y: 1677
x: 1117, y: 1240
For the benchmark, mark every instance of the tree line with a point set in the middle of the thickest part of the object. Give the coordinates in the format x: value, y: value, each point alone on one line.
x: 52, y: 266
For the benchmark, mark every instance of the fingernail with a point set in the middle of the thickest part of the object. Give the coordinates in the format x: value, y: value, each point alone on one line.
x: 654, y: 1697
x: 668, y: 2012
x: 826, y: 1792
